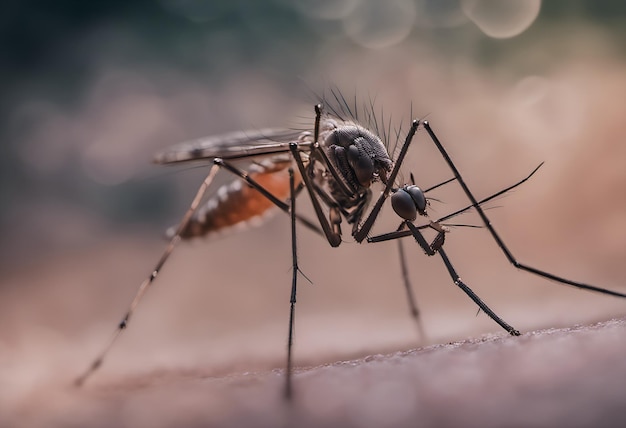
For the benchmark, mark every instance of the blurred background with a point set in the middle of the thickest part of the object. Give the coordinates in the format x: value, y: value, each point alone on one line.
x: 90, y: 90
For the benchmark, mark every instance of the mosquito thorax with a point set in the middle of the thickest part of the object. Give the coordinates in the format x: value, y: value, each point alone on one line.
x: 359, y: 154
x: 408, y: 201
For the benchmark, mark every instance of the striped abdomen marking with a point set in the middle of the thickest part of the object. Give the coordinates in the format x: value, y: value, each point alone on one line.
x: 236, y: 204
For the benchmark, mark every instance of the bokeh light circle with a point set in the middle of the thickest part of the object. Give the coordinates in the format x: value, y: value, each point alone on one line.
x: 379, y: 24
x: 502, y: 19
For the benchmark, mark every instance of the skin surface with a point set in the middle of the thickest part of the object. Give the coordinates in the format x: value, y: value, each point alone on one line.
x: 567, y: 377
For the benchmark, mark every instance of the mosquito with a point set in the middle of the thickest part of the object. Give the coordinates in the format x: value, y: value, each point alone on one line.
x: 336, y: 164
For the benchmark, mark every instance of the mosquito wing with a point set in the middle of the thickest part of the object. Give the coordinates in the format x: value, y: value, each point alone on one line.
x: 235, y: 146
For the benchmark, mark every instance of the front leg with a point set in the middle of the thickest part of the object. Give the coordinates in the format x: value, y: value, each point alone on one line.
x: 436, y: 247
x: 432, y: 248
x: 330, y: 228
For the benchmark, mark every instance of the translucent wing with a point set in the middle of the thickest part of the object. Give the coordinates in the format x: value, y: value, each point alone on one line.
x: 234, y: 146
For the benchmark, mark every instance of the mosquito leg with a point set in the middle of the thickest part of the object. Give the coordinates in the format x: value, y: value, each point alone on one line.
x: 292, y: 300
x: 360, y: 234
x: 150, y: 279
x: 436, y: 247
x: 482, y: 305
x: 333, y: 233
x: 432, y: 248
x: 415, y: 313
x: 495, y: 235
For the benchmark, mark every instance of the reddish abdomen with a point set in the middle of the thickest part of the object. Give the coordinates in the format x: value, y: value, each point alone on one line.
x: 238, y: 205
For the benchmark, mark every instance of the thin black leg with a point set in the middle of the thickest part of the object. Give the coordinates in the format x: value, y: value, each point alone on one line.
x: 436, y: 247
x: 332, y: 233
x: 294, y: 280
x: 97, y: 362
x: 482, y: 305
x: 496, y: 237
x: 415, y: 313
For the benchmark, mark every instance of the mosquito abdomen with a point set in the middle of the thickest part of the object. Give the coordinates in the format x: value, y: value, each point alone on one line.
x: 236, y: 205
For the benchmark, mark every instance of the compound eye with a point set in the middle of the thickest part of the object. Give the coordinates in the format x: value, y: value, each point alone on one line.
x: 362, y: 165
x: 418, y: 198
x: 404, y: 205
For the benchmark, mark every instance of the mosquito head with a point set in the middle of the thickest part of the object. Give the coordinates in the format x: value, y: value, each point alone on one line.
x: 408, y: 201
x: 360, y: 155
